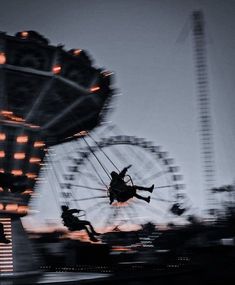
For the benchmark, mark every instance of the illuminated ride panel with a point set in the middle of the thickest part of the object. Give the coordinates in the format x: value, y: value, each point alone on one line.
x: 47, y: 96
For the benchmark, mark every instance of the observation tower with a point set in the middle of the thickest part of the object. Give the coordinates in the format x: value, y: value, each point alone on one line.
x: 47, y: 96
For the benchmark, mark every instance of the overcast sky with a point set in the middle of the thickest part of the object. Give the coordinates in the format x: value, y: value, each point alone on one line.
x: 154, y: 68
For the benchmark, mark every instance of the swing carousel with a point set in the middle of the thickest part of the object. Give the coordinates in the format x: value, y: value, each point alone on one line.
x: 47, y: 95
x: 83, y: 178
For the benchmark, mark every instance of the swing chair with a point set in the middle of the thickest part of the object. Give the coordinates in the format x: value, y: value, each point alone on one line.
x: 127, y: 178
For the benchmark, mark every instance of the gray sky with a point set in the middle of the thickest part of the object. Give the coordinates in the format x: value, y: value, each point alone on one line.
x: 154, y: 71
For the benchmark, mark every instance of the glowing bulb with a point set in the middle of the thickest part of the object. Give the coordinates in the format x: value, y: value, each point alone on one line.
x: 19, y: 155
x: 22, y: 139
x: 39, y: 144
x: 24, y: 34
x: 2, y: 153
x: 31, y: 175
x: 56, y: 69
x: 34, y: 160
x: 11, y: 207
x: 17, y: 172
x: 2, y: 58
x: 77, y: 51
x: 95, y: 88
x: 2, y: 137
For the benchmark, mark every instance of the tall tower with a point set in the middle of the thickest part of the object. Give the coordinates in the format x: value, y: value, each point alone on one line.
x: 205, y: 121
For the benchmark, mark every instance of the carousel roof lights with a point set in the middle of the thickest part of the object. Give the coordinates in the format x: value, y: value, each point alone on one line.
x: 6, y: 113
x: 19, y: 155
x: 2, y: 153
x: 11, y: 207
x: 2, y: 58
x: 31, y: 175
x: 22, y: 139
x: 94, y: 88
x: 35, y: 160
x: 17, y: 172
x: 39, y: 144
x: 24, y: 34
x: 56, y: 69
x: 77, y: 51
x: 107, y: 73
x: 2, y: 137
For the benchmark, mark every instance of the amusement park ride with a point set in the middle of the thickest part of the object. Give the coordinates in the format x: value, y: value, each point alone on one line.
x: 50, y: 97
x: 47, y: 96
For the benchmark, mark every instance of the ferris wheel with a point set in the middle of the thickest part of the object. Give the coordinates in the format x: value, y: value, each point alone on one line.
x: 87, y: 164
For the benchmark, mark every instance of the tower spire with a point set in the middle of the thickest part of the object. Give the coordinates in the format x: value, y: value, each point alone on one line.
x: 205, y: 120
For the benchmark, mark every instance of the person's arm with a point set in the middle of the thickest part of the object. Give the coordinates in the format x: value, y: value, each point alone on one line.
x: 123, y: 172
x: 73, y: 211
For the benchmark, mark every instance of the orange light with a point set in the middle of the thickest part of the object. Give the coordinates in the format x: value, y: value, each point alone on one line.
x: 35, y: 160
x: 34, y: 126
x: 2, y: 137
x: 6, y: 113
x: 17, y: 172
x: 120, y: 248
x: 39, y: 144
x: 31, y: 175
x: 2, y: 153
x: 19, y: 155
x: 2, y: 58
x: 80, y: 134
x: 56, y: 69
x: 27, y: 192
x: 22, y: 139
x: 77, y: 51
x: 107, y: 73
x: 22, y: 209
x: 95, y: 88
x: 11, y: 207
x: 1, y: 207
x: 24, y: 34
x: 17, y: 119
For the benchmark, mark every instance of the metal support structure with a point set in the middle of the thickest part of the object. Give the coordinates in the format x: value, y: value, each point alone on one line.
x: 206, y: 135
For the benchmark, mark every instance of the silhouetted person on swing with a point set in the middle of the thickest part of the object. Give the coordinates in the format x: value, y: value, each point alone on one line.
x: 74, y: 224
x: 3, y: 238
x: 122, y: 192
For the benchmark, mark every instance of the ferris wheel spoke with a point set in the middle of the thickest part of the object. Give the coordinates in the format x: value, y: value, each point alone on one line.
x: 155, y: 210
x: 98, y: 205
x: 161, y: 199
x: 90, y: 198
x: 88, y: 187
x: 154, y: 175
x: 162, y: 187
x: 90, y: 175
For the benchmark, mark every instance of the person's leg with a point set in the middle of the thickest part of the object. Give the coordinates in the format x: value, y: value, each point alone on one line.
x: 149, y: 189
x: 89, y: 225
x: 146, y: 199
x: 90, y: 234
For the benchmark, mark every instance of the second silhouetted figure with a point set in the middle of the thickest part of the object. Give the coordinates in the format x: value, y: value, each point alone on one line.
x: 73, y: 223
